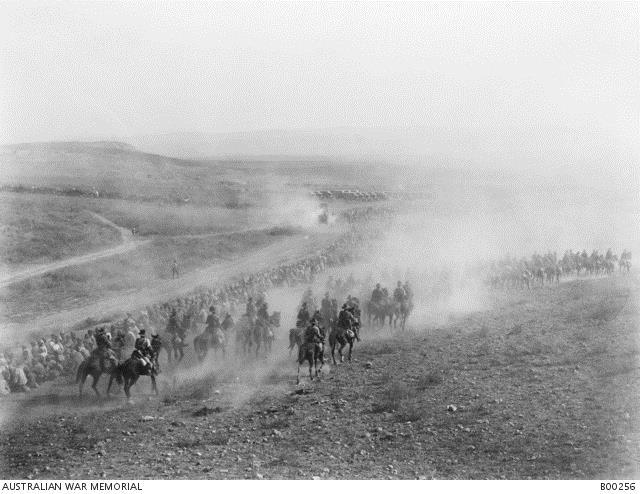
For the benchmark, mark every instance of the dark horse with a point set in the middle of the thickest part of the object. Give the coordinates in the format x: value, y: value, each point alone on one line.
x: 206, y: 340
x: 343, y: 337
x: 263, y: 334
x: 130, y: 371
x: 95, y: 366
x: 295, y: 338
x: 312, y: 353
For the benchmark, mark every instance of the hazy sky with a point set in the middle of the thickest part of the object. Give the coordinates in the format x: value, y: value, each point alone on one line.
x: 98, y: 70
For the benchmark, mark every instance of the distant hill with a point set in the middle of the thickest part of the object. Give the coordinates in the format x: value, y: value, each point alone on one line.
x: 105, y: 165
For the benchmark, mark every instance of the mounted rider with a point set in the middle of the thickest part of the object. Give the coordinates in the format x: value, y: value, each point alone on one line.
x: 227, y: 323
x: 263, y: 313
x: 251, y: 311
x: 325, y: 309
x: 214, y: 327
x: 156, y: 345
x: 377, y: 295
x: 354, y: 310
x: 399, y: 295
x: 143, y: 349
x: 408, y: 292
x: 346, y: 320
x: 213, y: 323
x: 312, y: 336
x: 103, y: 350
x: 303, y: 316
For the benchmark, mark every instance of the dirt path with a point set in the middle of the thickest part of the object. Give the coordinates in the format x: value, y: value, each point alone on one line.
x: 128, y: 243
x: 286, y: 250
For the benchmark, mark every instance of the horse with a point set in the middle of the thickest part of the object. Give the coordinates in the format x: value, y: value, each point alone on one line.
x: 177, y: 344
x: 625, y: 265
x: 343, y: 337
x: 206, y: 340
x: 295, y: 338
x: 379, y: 311
x: 129, y: 372
x: 244, y: 335
x: 95, y: 366
x: 312, y: 353
x: 403, y: 309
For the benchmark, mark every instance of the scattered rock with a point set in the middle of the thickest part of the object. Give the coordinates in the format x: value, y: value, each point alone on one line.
x: 451, y: 408
x: 368, y: 365
x: 147, y: 418
x: 205, y: 410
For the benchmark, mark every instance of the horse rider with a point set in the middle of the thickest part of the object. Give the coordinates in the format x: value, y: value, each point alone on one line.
x: 312, y: 334
x: 103, y: 349
x: 227, y: 323
x: 407, y: 291
x: 399, y: 294
x: 172, y: 324
x: 251, y: 311
x: 143, y: 349
x: 263, y: 313
x: 303, y: 316
x: 345, y: 318
x: 213, y: 323
x: 377, y: 295
x: 325, y: 310
x: 355, y: 325
x: 156, y: 345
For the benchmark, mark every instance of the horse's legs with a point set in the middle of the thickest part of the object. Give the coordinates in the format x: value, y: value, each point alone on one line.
x: 350, y: 349
x: 109, y: 386
x: 333, y: 357
x: 154, y: 388
x: 96, y: 378
x: 81, y: 384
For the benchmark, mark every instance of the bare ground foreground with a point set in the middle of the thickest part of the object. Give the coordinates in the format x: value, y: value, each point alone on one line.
x: 541, y: 384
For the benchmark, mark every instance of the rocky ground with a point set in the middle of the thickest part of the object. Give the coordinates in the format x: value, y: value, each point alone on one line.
x: 541, y: 384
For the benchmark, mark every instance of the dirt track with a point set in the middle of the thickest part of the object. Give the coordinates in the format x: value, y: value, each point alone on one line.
x: 128, y: 243
x: 542, y: 384
x: 286, y: 250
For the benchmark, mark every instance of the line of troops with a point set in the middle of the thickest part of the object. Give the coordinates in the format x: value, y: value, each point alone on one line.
x: 60, y: 355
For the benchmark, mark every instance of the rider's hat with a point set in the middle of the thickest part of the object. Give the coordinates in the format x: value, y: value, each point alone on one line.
x: 212, y: 309
x: 141, y: 332
x: 344, y: 306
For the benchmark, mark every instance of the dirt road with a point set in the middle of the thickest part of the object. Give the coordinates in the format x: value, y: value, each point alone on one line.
x: 286, y: 250
x: 128, y: 243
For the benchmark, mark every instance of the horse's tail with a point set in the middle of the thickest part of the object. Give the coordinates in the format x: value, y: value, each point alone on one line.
x: 80, y: 371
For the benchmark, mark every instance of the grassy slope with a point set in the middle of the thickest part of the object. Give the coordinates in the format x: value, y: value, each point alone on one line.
x: 86, y: 283
x: 39, y: 229
x: 545, y: 386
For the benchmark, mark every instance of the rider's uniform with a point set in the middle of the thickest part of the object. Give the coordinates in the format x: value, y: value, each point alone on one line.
x: 144, y: 350
x: 213, y: 323
x: 377, y: 295
x: 251, y: 311
x: 311, y: 336
x: 227, y: 324
x: 345, y: 319
x: 399, y: 295
x: 303, y: 317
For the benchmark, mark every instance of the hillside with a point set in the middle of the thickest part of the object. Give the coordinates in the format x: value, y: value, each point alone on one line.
x: 541, y: 384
